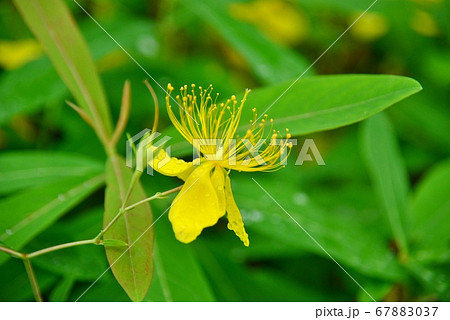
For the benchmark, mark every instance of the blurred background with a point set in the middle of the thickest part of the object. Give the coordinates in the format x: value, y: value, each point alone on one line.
x: 236, y: 45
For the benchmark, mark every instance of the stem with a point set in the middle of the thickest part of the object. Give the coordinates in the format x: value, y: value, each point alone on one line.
x: 136, y: 175
x: 61, y: 246
x: 155, y: 100
x: 27, y: 256
x: 124, y: 209
x: 110, y: 224
x: 157, y: 195
x: 134, y: 179
x: 12, y: 252
x: 123, y: 116
x: 33, y: 281
x: 111, y: 151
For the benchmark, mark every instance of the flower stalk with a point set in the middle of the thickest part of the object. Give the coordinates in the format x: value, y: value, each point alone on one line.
x: 33, y: 280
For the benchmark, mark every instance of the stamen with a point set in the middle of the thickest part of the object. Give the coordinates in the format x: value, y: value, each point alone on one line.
x: 206, y: 119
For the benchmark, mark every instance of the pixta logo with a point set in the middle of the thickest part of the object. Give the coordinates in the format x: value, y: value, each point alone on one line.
x: 146, y: 147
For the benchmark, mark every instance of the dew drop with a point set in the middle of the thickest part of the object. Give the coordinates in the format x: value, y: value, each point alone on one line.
x: 9, y: 232
x: 252, y: 216
x: 148, y: 46
x: 300, y: 198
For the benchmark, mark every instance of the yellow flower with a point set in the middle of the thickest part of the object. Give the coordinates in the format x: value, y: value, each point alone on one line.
x: 370, y: 27
x: 424, y: 24
x: 14, y: 54
x: 281, y: 21
x: 211, y: 127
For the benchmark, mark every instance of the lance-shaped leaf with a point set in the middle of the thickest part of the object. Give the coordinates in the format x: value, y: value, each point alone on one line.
x: 430, y: 212
x: 52, y: 23
x: 24, y: 169
x: 132, y: 265
x: 327, y: 102
x: 26, y: 214
x: 388, y: 173
x: 173, y: 261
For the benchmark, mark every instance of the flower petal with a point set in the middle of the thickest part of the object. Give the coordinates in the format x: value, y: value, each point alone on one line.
x: 235, y: 222
x: 218, y: 181
x: 173, y: 167
x: 197, y: 206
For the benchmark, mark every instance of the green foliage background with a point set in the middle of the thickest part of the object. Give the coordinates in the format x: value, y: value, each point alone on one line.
x: 380, y: 206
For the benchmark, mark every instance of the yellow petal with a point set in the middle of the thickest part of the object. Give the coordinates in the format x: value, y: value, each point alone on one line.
x: 196, y: 206
x: 173, y: 167
x: 235, y: 222
x: 218, y: 181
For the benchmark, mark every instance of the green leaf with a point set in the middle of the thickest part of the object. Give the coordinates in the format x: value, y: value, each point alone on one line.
x: 389, y: 175
x: 114, y: 243
x: 431, y: 212
x: 105, y: 290
x: 16, y: 285
x: 178, y: 276
x: 327, y: 102
x: 270, y: 62
x: 54, y: 26
x: 353, y: 236
x: 424, y: 121
x: 377, y: 289
x: 62, y: 290
x: 236, y: 281
x: 26, y: 214
x: 24, y: 169
x: 38, y: 80
x: 132, y: 266
x: 85, y: 263
x: 435, y: 279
